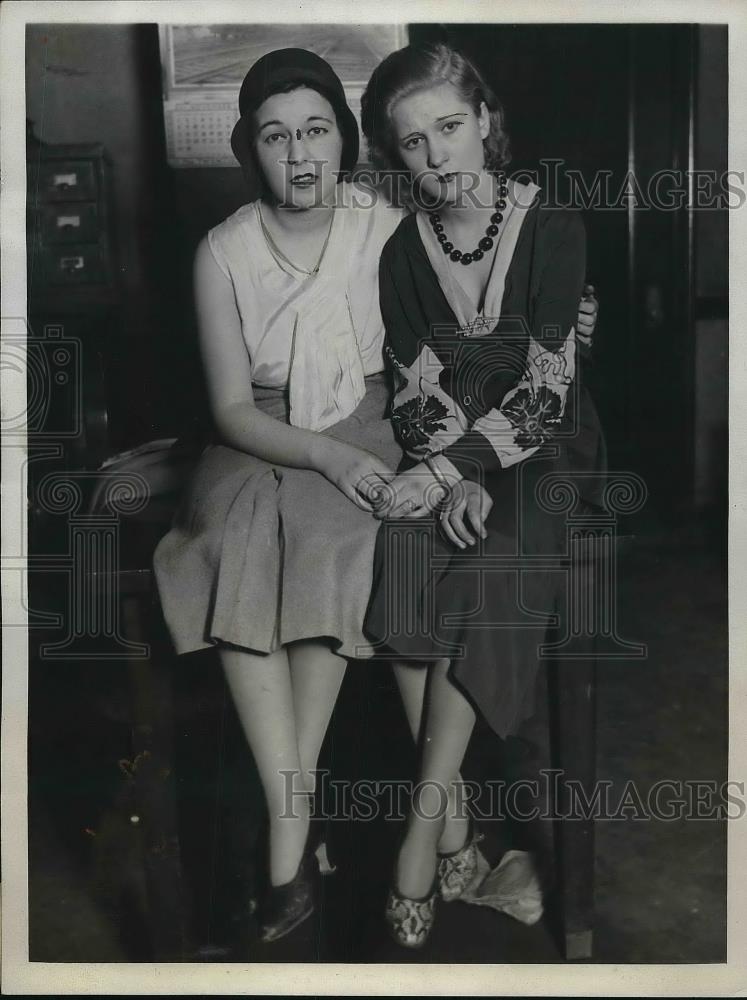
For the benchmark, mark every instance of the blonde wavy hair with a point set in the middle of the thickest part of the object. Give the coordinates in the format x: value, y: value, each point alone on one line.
x: 418, y: 67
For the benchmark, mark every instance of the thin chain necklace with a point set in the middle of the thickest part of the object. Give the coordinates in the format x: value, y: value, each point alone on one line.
x: 278, y: 253
x: 486, y: 243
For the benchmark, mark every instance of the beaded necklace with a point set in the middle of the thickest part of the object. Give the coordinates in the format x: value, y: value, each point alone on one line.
x: 486, y: 243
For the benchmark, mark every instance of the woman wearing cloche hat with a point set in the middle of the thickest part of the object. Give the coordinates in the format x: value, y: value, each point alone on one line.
x: 271, y: 553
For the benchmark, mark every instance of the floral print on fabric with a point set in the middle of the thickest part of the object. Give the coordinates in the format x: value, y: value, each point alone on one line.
x: 418, y: 419
x: 427, y: 420
x: 532, y: 414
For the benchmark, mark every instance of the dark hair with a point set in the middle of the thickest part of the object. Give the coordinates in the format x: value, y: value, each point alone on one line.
x: 418, y: 67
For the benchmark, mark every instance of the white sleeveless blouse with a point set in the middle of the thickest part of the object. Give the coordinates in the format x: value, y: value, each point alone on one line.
x: 323, y: 333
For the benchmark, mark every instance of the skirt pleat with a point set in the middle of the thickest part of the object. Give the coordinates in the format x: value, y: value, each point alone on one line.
x: 261, y: 555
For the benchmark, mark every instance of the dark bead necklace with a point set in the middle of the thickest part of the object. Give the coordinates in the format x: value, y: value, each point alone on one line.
x: 486, y: 243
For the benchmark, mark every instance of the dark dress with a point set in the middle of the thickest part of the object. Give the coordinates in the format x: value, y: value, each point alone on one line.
x: 500, y: 394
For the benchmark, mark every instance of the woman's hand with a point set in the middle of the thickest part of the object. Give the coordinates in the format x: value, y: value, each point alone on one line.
x: 470, y: 508
x: 359, y: 474
x: 412, y: 494
x: 587, y: 316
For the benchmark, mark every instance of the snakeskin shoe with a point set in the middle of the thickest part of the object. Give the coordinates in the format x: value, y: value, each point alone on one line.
x: 457, y: 869
x: 411, y: 920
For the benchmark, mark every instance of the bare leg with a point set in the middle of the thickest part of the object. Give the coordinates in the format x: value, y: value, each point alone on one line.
x: 412, y: 681
x: 449, y: 722
x: 261, y: 690
x: 316, y: 676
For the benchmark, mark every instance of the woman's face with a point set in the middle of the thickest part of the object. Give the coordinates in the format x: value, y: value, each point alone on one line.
x: 439, y: 139
x: 299, y: 147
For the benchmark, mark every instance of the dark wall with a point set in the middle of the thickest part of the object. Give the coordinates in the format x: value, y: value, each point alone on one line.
x: 712, y: 118
x: 712, y: 277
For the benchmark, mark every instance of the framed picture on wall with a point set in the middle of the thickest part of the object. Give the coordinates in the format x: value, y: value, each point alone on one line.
x: 203, y: 66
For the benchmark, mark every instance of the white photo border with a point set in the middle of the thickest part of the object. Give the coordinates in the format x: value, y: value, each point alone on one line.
x: 22, y: 977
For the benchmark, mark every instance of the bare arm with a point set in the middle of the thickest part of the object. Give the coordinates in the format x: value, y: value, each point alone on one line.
x: 229, y: 381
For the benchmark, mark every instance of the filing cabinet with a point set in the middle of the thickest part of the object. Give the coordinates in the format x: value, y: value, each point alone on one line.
x: 69, y: 223
x: 68, y: 173
x: 74, y: 303
x: 74, y: 264
x: 70, y: 243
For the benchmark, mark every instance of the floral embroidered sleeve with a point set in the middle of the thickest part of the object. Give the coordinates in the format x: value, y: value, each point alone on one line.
x: 426, y: 418
x: 524, y: 388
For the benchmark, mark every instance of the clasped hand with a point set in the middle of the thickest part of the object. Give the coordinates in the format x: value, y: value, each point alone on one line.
x: 417, y: 494
x: 359, y: 474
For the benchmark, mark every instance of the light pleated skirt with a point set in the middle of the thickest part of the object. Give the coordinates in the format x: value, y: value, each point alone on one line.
x: 261, y: 555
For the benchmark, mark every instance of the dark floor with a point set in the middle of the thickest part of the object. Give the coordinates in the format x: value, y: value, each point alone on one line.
x: 660, y: 886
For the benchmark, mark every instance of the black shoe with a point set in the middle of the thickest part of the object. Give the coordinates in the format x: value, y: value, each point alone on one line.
x: 286, y: 906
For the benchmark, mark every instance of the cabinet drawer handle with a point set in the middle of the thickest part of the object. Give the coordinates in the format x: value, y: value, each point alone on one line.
x: 71, y: 263
x: 65, y: 180
x: 68, y: 222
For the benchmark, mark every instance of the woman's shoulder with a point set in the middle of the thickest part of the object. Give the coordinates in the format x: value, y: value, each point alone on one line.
x: 239, y: 221
x: 557, y: 223
x: 230, y: 239
x: 544, y: 214
x: 548, y: 229
x: 403, y: 241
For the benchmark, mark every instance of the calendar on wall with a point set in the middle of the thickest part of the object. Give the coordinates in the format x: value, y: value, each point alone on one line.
x: 198, y: 132
x: 203, y: 66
